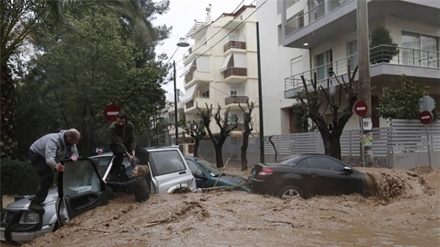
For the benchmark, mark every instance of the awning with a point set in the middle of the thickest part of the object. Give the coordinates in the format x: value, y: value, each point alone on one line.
x: 238, y: 61
x: 225, y: 63
x: 189, y: 93
x: 188, y: 68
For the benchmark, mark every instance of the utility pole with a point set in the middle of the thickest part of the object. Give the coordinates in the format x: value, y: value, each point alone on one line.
x: 176, y: 124
x: 364, y: 81
x: 260, y: 97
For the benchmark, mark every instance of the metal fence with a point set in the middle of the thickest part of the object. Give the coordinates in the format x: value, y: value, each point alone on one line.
x: 402, y: 137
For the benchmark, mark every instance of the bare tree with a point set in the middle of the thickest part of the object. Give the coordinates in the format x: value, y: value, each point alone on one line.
x: 196, y: 130
x: 225, y: 128
x: 313, y: 101
x: 248, y: 127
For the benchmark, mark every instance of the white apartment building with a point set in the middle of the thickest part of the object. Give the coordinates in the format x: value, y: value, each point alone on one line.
x: 221, y: 67
x: 303, y: 37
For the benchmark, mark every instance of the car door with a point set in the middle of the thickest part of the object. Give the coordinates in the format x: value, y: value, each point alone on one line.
x: 201, y: 178
x: 82, y: 188
x: 169, y: 170
x: 330, y: 177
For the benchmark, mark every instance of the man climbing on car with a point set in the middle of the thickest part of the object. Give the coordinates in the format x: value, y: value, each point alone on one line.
x: 122, y: 142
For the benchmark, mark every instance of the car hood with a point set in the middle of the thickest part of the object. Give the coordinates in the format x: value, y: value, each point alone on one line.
x: 23, y: 203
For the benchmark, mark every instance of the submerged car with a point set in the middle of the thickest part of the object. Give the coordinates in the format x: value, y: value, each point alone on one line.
x: 169, y: 171
x: 207, y: 175
x: 81, y: 188
x: 306, y: 175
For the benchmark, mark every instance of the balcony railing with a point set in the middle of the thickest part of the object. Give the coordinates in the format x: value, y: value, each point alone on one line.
x: 189, y: 76
x: 236, y: 99
x: 234, y: 45
x: 382, y: 54
x: 234, y: 72
x: 307, y: 16
x: 190, y: 104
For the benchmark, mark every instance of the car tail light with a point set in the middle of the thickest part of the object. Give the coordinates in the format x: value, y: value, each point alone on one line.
x: 264, y: 172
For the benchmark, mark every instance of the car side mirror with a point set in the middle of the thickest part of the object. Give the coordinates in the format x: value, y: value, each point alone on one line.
x: 200, y: 175
x: 348, y: 170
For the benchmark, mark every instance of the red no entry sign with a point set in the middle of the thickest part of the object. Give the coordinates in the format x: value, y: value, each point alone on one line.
x: 111, y: 111
x: 425, y: 117
x: 360, y: 108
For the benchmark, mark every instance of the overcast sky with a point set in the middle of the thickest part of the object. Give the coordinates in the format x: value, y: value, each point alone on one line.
x: 181, y: 17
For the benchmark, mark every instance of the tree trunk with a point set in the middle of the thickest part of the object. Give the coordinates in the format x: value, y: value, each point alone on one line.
x: 332, y: 145
x: 196, y: 147
x: 244, y: 147
x: 218, y: 155
x: 8, y: 94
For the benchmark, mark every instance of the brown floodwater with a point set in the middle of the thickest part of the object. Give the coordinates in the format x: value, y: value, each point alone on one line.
x: 404, y: 212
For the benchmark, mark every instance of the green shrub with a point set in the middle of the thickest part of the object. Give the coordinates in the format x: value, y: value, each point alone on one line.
x: 17, y: 177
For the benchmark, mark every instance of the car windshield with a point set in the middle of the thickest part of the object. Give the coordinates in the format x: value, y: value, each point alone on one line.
x: 166, y: 161
x: 214, y: 171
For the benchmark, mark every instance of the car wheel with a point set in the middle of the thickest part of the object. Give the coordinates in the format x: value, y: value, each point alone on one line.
x: 290, y: 192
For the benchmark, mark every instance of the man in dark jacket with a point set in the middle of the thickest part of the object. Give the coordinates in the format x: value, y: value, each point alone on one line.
x: 45, y: 155
x: 122, y: 141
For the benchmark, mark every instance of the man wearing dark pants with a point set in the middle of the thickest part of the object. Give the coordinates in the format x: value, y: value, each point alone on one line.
x: 122, y: 142
x: 45, y: 154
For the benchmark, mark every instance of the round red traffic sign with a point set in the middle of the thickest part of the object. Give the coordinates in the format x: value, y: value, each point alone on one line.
x: 111, y: 111
x: 425, y: 117
x: 360, y: 108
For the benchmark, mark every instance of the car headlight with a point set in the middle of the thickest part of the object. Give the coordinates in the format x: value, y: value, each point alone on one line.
x: 30, y: 218
x: 6, y: 217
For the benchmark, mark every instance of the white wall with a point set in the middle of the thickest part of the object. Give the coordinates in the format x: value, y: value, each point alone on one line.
x: 275, y: 67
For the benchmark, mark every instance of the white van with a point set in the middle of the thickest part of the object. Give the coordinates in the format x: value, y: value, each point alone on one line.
x: 169, y: 172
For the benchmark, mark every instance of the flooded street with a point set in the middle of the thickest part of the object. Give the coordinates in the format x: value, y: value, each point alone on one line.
x: 405, y: 212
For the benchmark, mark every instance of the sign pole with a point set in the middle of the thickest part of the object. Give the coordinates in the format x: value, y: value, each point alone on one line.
x: 361, y: 135
x: 428, y: 145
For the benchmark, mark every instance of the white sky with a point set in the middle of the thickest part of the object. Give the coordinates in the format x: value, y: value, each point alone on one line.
x: 181, y: 16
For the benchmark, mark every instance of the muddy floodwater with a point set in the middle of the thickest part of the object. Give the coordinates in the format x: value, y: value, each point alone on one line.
x: 404, y: 212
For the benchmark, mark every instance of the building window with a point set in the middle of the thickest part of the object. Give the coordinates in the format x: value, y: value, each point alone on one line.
x: 234, y: 118
x: 205, y: 94
x: 420, y: 50
x: 352, y: 51
x: 316, y: 8
x: 288, y: 4
x: 234, y: 91
x: 324, y: 65
x: 295, y: 23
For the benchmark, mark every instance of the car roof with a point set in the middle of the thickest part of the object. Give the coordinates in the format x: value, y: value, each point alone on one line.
x: 149, y: 149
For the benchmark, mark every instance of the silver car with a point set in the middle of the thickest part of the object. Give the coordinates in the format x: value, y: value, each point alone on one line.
x: 81, y: 188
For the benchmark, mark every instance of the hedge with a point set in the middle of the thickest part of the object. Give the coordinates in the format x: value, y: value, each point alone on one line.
x: 17, y: 177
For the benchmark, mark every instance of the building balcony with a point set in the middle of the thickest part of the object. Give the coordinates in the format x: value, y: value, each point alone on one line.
x: 191, y: 106
x: 235, y: 75
x: 334, y: 18
x: 193, y: 77
x: 194, y: 52
x: 236, y: 100
x: 234, y: 45
x: 420, y: 64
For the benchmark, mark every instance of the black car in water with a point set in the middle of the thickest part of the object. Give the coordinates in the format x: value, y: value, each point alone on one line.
x: 306, y: 175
